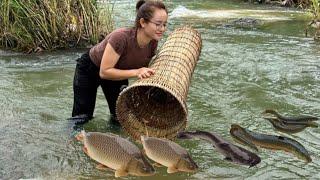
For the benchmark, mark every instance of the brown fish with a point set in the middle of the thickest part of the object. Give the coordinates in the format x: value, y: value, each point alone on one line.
x: 116, y: 153
x: 169, y: 154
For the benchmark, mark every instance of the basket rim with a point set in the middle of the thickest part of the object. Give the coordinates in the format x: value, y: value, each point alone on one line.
x: 144, y: 84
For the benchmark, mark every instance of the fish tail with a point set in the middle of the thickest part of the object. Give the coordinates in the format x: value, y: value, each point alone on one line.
x: 304, y: 155
x: 313, y: 124
x: 80, y: 135
x: 308, y: 159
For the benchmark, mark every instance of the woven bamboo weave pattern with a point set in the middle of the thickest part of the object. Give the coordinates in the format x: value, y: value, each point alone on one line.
x: 156, y: 106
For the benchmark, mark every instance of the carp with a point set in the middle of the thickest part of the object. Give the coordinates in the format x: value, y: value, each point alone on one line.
x: 116, y: 153
x: 169, y: 154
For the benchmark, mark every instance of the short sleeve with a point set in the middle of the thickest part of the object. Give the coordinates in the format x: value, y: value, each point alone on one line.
x: 118, y: 41
x: 154, y: 45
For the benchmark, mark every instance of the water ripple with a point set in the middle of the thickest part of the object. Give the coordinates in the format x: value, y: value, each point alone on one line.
x: 241, y: 72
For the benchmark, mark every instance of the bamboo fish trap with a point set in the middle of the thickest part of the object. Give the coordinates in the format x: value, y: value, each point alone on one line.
x: 156, y: 106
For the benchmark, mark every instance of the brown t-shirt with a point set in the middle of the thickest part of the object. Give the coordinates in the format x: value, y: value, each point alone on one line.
x: 124, y: 42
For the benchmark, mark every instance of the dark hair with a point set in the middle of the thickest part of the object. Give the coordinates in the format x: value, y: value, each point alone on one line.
x: 145, y: 10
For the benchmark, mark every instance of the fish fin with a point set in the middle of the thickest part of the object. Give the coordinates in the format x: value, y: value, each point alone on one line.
x: 85, y: 150
x: 79, y: 137
x: 157, y: 164
x: 101, y: 167
x: 172, y: 169
x: 143, y: 151
x: 313, y: 124
x: 120, y: 172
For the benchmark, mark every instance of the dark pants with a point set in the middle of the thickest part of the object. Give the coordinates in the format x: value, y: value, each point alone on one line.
x: 85, y: 84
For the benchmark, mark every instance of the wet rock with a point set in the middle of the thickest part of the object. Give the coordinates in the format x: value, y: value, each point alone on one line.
x: 243, y: 23
x: 246, y: 22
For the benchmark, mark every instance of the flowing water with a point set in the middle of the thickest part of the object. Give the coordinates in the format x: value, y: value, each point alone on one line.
x: 241, y: 72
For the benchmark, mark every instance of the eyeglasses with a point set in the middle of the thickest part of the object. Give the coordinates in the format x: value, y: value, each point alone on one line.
x: 159, y: 25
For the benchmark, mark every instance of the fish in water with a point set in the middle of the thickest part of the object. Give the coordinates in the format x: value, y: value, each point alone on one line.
x: 290, y: 127
x: 232, y: 153
x: 253, y: 139
x: 301, y: 118
x: 116, y: 153
x: 169, y: 154
x: 289, y: 124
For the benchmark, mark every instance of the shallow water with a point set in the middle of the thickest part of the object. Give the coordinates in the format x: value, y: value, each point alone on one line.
x: 241, y: 72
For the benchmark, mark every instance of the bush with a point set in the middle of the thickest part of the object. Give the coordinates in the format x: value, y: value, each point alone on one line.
x: 52, y: 24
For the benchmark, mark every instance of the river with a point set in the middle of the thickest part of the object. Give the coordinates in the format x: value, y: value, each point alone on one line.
x: 241, y: 72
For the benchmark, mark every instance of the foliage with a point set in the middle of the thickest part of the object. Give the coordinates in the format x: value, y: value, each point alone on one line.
x: 315, y: 9
x: 304, y: 4
x: 51, y: 24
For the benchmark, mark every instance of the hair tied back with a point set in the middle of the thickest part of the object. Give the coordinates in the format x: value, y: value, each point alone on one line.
x: 139, y: 4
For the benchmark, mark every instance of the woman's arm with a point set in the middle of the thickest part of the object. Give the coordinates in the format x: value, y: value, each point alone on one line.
x: 109, y: 60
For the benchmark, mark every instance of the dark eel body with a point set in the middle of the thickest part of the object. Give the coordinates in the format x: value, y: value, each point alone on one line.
x: 232, y: 153
x: 290, y: 124
x: 253, y: 139
x: 303, y: 118
x: 290, y: 127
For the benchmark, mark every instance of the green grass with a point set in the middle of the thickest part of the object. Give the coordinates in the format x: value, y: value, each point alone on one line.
x: 53, y: 24
x: 315, y: 9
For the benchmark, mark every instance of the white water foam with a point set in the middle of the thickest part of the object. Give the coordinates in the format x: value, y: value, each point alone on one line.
x: 267, y: 15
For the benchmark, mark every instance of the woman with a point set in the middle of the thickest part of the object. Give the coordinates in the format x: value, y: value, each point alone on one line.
x: 123, y: 54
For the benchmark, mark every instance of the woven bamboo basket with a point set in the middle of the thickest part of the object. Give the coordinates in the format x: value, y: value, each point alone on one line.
x: 156, y: 106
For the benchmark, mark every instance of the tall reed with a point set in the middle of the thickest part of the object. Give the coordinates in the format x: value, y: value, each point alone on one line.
x: 52, y: 24
x: 315, y: 9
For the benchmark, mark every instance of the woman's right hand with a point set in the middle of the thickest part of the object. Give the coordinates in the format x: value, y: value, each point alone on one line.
x: 145, y: 72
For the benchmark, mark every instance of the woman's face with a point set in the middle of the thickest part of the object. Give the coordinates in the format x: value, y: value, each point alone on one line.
x: 156, y: 26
